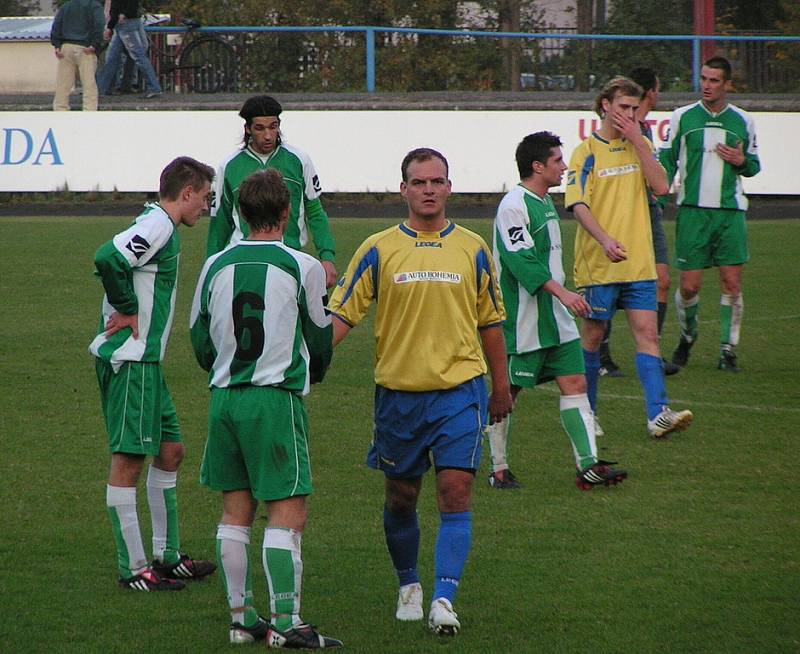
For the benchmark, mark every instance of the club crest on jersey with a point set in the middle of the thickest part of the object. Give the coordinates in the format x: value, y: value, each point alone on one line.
x: 427, y: 276
x: 570, y: 177
x: 427, y: 244
x: 138, y: 245
x: 315, y: 183
x: 516, y: 234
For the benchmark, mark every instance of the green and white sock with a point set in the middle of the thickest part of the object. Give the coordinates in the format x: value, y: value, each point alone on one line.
x: 233, y: 556
x: 578, y: 421
x: 283, y: 566
x: 687, y: 315
x: 498, y: 443
x: 162, y: 496
x: 731, y: 308
x: 121, y: 507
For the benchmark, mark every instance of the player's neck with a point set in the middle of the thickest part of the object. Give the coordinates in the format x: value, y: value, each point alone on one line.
x: 717, y: 106
x: 427, y: 224
x: 173, y: 210
x: 642, y: 111
x: 536, y: 184
x: 607, y: 130
x: 267, y: 234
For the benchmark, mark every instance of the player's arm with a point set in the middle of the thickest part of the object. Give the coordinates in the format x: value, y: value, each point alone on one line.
x: 315, y: 321
x: 614, y: 250
x: 653, y: 171
x: 116, y: 275
x: 220, y: 226
x: 494, y: 347
x: 323, y: 238
x: 573, y: 301
x: 517, y: 252
x: 746, y: 162
x: 355, y: 291
x: 669, y: 154
x: 340, y: 329
x: 199, y: 325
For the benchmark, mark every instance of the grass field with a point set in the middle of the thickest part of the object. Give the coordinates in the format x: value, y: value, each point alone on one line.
x: 697, y: 552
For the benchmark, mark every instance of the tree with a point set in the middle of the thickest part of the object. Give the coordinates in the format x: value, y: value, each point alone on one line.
x: 17, y: 7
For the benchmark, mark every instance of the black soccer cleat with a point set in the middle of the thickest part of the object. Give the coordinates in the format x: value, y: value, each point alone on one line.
x: 727, y: 361
x: 240, y: 634
x: 504, y: 480
x: 607, y: 366
x: 185, y: 568
x: 149, y: 580
x: 680, y: 357
x: 303, y: 636
x: 669, y: 367
x: 599, y: 474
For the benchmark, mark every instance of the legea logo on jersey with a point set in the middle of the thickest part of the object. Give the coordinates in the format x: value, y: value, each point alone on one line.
x: 427, y: 276
x: 427, y: 244
x: 21, y: 146
x: 618, y: 170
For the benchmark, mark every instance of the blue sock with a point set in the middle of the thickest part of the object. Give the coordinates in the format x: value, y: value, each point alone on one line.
x: 591, y: 361
x: 651, y: 376
x: 402, y: 540
x: 452, y: 548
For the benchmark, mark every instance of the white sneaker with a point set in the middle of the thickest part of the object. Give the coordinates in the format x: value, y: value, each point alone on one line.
x: 669, y: 421
x: 409, y: 603
x: 598, y: 430
x: 442, y: 619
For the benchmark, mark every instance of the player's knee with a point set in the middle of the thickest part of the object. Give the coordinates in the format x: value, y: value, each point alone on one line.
x: 401, y: 500
x: 170, y: 456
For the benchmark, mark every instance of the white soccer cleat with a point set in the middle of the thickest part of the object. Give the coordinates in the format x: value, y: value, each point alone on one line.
x: 442, y: 619
x: 669, y: 421
x: 409, y: 603
x: 598, y: 430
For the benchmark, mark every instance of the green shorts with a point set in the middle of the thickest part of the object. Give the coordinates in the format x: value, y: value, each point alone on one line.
x: 710, y: 237
x: 257, y: 441
x: 137, y: 407
x: 532, y: 368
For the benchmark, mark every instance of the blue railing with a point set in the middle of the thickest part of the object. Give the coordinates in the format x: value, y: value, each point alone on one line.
x: 370, y: 31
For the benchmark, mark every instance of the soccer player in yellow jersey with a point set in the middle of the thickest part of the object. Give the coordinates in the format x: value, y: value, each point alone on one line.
x: 607, y: 190
x: 436, y: 291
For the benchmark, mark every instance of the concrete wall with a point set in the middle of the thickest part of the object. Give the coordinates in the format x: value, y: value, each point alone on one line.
x: 27, y: 67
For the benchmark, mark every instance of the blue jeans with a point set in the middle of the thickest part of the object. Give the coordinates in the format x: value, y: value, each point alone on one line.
x: 128, y: 36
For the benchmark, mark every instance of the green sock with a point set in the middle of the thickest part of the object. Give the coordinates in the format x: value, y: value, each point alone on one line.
x: 578, y: 422
x: 233, y: 556
x: 284, y: 569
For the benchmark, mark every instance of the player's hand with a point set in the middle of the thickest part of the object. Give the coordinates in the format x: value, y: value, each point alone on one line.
x: 626, y: 125
x: 615, y: 251
x: 500, y: 404
x: 106, y: 34
x: 575, y: 303
x: 119, y: 321
x: 330, y: 273
x: 59, y: 54
x: 733, y: 155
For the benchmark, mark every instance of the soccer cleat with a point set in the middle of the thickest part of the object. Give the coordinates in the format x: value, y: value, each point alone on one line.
x: 610, y: 369
x: 598, y: 429
x: 669, y: 367
x: 302, y: 636
x: 240, y: 634
x: 442, y: 619
x: 504, y: 480
x: 599, y: 474
x: 727, y: 361
x: 149, y: 580
x: 185, y: 568
x: 680, y: 357
x: 669, y: 421
x: 409, y: 603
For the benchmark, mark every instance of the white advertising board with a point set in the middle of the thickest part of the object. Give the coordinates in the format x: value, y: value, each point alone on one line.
x: 353, y: 151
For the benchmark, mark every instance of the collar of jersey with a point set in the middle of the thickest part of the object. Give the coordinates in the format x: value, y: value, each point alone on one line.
x: 602, y: 140
x: 260, y: 157
x: 407, y: 230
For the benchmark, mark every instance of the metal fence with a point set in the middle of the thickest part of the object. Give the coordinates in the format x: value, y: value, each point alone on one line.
x: 358, y: 58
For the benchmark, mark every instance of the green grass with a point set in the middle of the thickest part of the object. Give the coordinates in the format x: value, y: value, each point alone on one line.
x: 697, y: 552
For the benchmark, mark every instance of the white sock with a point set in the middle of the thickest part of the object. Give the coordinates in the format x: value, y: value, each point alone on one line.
x: 121, y: 504
x: 498, y: 443
x: 233, y: 542
x: 157, y: 482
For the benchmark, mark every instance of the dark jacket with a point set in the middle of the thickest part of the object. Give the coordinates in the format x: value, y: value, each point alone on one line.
x: 79, y: 22
x: 128, y: 8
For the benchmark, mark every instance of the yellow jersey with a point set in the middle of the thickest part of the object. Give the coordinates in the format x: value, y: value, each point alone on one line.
x: 607, y: 177
x: 434, y: 291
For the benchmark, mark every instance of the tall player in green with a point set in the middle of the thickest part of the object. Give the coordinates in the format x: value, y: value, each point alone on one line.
x: 712, y: 145
x: 264, y: 148
x: 542, y: 340
x: 139, y: 272
x: 260, y: 328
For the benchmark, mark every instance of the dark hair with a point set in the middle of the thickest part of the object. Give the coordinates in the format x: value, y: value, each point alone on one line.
x: 259, y: 105
x: 180, y: 173
x: 621, y: 85
x: 535, y: 147
x: 644, y: 77
x: 422, y: 154
x: 263, y: 197
x: 720, y: 63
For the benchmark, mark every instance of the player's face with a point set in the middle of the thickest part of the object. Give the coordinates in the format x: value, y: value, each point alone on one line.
x: 553, y: 169
x: 263, y: 133
x: 713, y: 86
x: 427, y: 189
x: 195, y: 204
x: 655, y: 93
x: 621, y: 104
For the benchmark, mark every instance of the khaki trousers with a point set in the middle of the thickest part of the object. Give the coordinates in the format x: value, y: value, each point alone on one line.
x: 75, y: 60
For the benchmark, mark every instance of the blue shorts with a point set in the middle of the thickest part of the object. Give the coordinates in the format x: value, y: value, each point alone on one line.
x: 410, y: 427
x: 605, y: 299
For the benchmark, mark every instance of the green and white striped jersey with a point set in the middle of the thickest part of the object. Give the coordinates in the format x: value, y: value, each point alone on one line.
x: 139, y: 271
x: 690, y: 150
x: 305, y: 207
x: 528, y: 253
x: 259, y: 318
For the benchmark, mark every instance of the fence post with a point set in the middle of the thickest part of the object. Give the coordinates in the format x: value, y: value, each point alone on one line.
x: 369, y: 35
x: 696, y: 63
